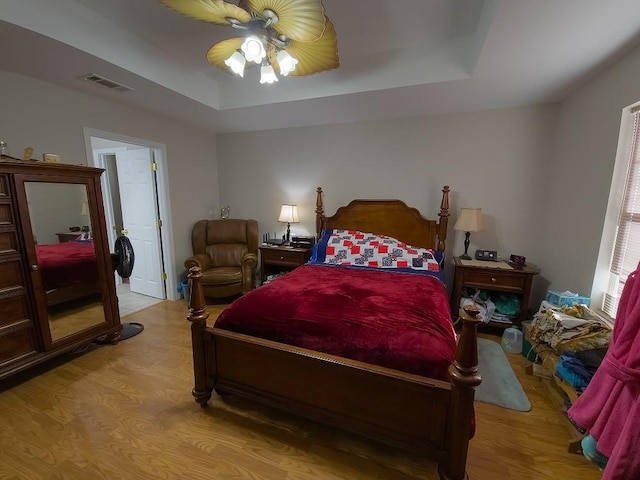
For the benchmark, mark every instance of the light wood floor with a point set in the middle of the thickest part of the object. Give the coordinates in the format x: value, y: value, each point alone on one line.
x: 126, y: 412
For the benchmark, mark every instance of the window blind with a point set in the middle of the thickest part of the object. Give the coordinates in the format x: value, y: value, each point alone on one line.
x: 626, y: 247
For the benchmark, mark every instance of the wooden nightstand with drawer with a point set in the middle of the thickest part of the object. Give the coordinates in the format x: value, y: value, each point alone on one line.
x: 279, y: 259
x: 485, y: 276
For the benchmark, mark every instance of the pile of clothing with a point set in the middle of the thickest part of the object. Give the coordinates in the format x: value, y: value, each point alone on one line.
x: 578, y: 368
x: 569, y: 329
x: 500, y: 307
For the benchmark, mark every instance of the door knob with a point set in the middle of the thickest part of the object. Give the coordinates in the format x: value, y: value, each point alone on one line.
x: 34, y: 267
x: 124, y: 231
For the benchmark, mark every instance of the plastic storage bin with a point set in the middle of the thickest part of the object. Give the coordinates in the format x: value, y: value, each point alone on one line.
x: 184, y: 289
x: 512, y: 340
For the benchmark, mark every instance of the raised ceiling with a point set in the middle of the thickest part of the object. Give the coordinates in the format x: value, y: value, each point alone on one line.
x: 398, y: 58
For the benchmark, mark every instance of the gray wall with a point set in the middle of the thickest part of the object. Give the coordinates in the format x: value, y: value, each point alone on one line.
x: 579, y: 177
x: 495, y: 159
x: 541, y: 173
x: 51, y: 119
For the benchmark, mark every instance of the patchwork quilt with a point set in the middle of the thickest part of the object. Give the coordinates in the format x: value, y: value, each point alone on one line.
x: 354, y: 248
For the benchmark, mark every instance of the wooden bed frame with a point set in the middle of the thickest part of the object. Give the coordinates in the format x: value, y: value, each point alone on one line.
x: 61, y: 295
x: 408, y: 411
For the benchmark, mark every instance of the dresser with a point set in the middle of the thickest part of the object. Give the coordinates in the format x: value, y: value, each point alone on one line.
x: 485, y: 276
x: 49, y: 306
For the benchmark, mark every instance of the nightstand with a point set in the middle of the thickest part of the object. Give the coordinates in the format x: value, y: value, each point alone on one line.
x: 277, y: 259
x: 485, y: 276
x: 68, y: 236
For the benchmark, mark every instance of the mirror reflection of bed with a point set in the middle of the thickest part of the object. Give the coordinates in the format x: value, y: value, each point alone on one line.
x: 62, y: 228
x: 68, y: 268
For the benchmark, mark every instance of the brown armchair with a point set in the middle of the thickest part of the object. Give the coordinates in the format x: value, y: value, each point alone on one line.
x: 227, y: 253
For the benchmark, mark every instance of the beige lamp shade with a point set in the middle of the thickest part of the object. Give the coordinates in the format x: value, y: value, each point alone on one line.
x: 289, y: 214
x: 470, y: 220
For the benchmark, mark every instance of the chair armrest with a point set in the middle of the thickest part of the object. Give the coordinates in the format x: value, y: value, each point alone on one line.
x: 201, y: 260
x: 249, y: 263
x: 249, y: 260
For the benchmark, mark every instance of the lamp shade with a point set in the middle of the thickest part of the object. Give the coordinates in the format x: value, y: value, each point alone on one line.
x: 470, y: 220
x: 289, y: 214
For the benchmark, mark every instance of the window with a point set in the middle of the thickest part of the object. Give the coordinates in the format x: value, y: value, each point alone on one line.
x: 623, y: 250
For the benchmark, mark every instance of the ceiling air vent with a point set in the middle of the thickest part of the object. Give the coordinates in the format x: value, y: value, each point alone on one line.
x: 105, y: 82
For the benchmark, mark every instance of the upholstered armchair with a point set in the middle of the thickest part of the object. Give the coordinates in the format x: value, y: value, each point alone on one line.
x: 227, y: 253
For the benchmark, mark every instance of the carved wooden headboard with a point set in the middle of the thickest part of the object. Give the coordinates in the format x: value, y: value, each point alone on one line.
x: 388, y: 217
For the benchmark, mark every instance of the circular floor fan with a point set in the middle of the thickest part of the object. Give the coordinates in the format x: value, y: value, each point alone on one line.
x: 123, y: 258
x: 122, y: 261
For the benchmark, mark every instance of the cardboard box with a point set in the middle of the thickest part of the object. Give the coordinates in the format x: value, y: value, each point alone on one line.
x: 565, y: 298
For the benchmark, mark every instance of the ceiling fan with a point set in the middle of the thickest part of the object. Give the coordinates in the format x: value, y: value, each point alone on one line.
x: 290, y: 37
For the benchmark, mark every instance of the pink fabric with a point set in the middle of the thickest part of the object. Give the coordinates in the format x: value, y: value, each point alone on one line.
x: 610, y: 405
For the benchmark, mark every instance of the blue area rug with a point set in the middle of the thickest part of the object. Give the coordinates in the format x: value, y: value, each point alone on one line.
x: 499, y: 386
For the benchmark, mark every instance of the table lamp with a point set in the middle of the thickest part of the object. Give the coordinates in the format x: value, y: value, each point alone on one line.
x: 289, y: 214
x: 470, y: 220
x: 84, y: 213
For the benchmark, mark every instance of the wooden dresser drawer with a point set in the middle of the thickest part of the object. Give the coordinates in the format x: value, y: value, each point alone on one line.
x: 486, y: 279
x: 16, y: 344
x: 6, y: 216
x: 8, y: 242
x: 10, y: 276
x: 283, y: 257
x: 13, y: 309
x: 4, y: 186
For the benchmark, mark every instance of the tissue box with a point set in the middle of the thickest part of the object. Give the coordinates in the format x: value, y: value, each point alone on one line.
x: 567, y: 298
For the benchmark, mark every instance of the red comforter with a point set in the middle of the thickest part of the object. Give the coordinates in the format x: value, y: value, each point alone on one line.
x: 396, y: 320
x: 68, y: 263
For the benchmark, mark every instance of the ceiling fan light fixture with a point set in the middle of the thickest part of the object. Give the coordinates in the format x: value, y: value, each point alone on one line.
x: 291, y: 37
x: 286, y: 62
x: 267, y: 73
x: 236, y: 63
x: 253, y: 49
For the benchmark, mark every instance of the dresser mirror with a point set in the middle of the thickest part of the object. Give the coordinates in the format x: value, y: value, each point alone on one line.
x: 57, y: 283
x: 65, y: 272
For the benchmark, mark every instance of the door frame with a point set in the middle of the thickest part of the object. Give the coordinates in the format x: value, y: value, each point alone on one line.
x: 95, y: 158
x: 99, y: 155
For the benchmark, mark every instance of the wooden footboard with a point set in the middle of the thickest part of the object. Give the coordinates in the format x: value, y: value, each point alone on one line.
x: 72, y: 292
x: 409, y: 411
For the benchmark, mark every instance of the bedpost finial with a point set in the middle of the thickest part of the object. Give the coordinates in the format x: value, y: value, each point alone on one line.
x: 197, y: 310
x: 319, y: 213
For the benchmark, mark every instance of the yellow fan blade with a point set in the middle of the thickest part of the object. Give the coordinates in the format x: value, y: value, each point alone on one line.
x: 223, y: 50
x: 301, y: 20
x: 214, y: 11
x: 315, y: 57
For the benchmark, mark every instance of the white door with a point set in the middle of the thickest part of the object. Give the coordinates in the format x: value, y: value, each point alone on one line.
x: 140, y: 218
